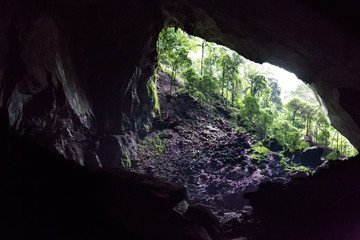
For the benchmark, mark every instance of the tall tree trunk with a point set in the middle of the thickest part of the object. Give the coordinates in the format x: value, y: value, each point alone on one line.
x: 202, y: 58
x: 233, y: 94
x: 333, y: 138
x: 227, y: 89
x: 223, y: 82
x: 308, y: 125
x: 341, y: 145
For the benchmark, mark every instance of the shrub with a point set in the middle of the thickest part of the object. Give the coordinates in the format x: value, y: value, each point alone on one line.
x: 259, y: 152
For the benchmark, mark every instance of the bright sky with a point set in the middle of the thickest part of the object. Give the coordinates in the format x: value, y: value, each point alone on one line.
x: 287, y: 80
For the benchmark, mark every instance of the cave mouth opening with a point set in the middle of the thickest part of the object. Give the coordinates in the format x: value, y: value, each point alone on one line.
x: 224, y: 124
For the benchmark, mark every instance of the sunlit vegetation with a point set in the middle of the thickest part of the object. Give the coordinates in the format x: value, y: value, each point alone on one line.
x: 152, y: 146
x: 208, y: 71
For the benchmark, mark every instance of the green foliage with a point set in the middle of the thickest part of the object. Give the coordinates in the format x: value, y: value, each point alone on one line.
x: 303, y: 92
x: 295, y: 107
x: 197, y: 87
x: 259, y: 152
x: 331, y: 156
x: 258, y: 84
x: 264, y: 121
x: 250, y: 110
x: 255, y: 118
x: 321, y: 132
x: 235, y: 118
x: 193, y: 81
x: 288, y: 136
x: 125, y: 160
x: 152, y: 91
x: 292, y: 167
x: 173, y: 49
x: 207, y: 85
x: 152, y: 145
x: 275, y: 93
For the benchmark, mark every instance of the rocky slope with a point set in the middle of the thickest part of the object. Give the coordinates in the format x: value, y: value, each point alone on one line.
x: 196, y: 146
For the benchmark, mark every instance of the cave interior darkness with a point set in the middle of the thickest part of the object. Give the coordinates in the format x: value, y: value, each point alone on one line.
x: 73, y: 74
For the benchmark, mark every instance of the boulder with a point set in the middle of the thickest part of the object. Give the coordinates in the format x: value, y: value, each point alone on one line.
x: 322, y: 206
x: 204, y: 217
x: 295, y: 157
x: 274, y: 145
x: 310, y: 157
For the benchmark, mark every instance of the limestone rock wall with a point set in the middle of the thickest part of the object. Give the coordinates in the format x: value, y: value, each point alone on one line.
x: 73, y: 71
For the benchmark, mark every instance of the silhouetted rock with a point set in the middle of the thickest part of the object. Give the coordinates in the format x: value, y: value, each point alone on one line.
x: 275, y: 146
x: 206, y: 218
x: 310, y: 157
x: 322, y: 206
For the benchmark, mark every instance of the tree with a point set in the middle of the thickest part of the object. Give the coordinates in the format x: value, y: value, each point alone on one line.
x: 321, y: 128
x: 288, y: 135
x: 250, y: 110
x: 210, y: 60
x: 303, y: 92
x: 308, y: 112
x: 258, y: 84
x: 173, y: 48
x: 275, y: 93
x: 294, y: 106
x: 234, y: 74
x: 178, y: 58
x: 226, y: 64
x: 207, y: 85
x: 264, y: 122
x: 193, y: 80
x: 203, y: 44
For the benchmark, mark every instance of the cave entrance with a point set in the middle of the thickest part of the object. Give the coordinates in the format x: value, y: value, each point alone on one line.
x: 224, y: 124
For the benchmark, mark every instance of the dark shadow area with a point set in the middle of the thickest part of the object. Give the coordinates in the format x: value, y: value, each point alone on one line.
x: 47, y: 197
x: 324, y: 206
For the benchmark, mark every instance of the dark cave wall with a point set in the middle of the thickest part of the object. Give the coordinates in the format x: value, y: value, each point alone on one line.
x: 71, y: 71
x: 43, y: 97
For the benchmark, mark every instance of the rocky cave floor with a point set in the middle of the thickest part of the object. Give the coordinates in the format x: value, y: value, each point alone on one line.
x: 197, y: 147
